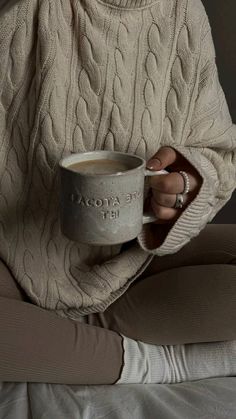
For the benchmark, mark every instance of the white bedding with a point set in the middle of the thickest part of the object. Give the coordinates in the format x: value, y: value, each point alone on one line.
x: 213, y: 398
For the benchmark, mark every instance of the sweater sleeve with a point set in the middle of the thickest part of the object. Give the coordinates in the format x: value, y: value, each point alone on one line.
x: 211, y: 148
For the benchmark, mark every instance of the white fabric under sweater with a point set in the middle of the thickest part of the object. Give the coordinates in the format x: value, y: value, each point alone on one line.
x: 145, y: 363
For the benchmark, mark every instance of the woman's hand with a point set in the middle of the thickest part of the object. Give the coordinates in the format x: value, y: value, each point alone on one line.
x: 164, y: 188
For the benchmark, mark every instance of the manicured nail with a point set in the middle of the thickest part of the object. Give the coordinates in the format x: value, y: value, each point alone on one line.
x: 154, y: 164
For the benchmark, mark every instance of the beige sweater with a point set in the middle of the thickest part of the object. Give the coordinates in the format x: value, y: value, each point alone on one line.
x: 124, y: 75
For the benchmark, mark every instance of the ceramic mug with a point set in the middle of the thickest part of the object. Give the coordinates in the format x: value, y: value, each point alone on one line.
x: 103, y: 208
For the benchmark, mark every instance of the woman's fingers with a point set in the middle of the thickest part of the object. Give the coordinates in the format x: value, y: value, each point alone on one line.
x: 164, y: 213
x: 163, y: 195
x: 172, y: 183
x: 168, y: 200
x: 164, y: 188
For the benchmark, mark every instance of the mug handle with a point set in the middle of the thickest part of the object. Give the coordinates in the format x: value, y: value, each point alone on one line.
x: 149, y: 217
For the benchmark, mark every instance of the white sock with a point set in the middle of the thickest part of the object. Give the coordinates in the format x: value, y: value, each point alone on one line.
x: 145, y: 363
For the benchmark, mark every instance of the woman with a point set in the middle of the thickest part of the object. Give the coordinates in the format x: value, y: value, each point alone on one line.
x: 136, y: 76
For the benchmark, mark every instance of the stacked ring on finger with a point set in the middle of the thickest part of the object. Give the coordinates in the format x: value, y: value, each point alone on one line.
x: 179, y: 196
x: 186, y: 182
x: 179, y: 201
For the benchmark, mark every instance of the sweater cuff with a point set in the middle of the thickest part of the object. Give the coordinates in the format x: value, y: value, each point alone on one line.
x: 196, y: 215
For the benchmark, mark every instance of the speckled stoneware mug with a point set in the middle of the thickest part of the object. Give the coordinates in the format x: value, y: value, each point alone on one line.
x: 102, y: 197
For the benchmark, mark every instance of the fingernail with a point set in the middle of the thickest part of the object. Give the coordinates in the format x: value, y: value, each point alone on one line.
x: 154, y: 164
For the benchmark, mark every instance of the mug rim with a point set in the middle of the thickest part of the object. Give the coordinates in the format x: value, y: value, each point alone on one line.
x: 72, y: 158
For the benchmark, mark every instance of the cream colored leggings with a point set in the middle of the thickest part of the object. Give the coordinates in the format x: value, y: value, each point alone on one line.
x: 186, y: 297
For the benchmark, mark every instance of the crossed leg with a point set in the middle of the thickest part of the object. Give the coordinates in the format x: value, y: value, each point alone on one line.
x: 186, y: 297
x: 170, y: 304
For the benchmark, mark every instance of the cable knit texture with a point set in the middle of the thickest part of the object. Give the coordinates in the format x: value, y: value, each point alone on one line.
x: 123, y: 75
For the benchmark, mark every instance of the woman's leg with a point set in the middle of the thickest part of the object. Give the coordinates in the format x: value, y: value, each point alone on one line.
x: 38, y: 346
x: 216, y: 244
x: 185, y: 304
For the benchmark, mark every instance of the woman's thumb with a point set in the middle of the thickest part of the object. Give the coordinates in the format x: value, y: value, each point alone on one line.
x: 163, y: 158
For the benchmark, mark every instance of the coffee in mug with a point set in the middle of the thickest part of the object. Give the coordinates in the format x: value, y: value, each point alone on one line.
x: 100, y: 166
x: 102, y: 197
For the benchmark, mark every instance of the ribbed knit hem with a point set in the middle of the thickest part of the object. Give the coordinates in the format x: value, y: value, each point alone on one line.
x: 195, y: 217
x: 129, y: 4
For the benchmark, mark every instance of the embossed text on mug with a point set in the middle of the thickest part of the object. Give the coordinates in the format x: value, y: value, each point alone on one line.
x: 111, y: 201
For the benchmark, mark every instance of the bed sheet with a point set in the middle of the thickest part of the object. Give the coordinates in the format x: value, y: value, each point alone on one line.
x: 213, y: 398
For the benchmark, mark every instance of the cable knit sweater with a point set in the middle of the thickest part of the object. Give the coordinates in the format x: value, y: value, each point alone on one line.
x: 123, y: 75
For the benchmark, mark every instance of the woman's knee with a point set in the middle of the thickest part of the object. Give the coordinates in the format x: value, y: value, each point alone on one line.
x: 222, y: 239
